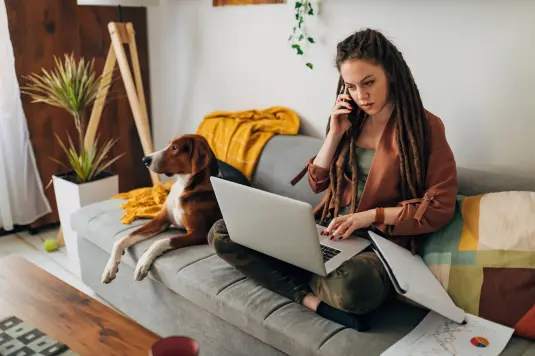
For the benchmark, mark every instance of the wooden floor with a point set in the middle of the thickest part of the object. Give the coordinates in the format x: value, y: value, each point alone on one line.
x: 31, y: 248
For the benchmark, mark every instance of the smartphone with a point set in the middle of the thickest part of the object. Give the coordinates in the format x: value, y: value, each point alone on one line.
x: 345, y: 90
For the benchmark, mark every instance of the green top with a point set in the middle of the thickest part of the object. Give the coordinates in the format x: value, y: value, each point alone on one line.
x: 364, y: 163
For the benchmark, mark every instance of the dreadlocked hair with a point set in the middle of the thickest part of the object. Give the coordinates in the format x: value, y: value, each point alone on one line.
x: 411, y: 122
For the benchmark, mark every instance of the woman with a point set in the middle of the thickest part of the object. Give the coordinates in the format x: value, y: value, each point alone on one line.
x: 385, y: 163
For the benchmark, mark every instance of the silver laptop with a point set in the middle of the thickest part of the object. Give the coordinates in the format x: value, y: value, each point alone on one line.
x: 281, y: 227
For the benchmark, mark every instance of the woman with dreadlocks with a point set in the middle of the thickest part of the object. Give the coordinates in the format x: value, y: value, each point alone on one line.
x: 385, y: 164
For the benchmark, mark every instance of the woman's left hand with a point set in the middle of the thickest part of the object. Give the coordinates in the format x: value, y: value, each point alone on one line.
x: 343, y: 226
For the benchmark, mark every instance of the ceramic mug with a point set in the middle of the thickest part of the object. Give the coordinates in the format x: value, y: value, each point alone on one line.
x: 175, y: 346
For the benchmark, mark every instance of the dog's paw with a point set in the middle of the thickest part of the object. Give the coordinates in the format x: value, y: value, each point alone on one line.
x: 110, y: 272
x: 143, y: 266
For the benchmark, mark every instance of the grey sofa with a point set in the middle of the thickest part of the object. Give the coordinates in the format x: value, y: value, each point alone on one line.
x: 193, y: 292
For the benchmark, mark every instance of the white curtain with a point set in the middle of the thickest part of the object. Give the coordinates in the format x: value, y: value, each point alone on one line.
x: 22, y: 199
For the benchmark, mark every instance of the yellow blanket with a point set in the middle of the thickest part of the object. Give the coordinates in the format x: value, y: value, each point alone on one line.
x: 238, y: 138
x: 144, y: 202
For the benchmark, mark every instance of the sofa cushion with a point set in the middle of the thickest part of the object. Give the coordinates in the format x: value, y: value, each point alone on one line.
x: 203, y: 278
x: 485, y: 258
x: 282, y: 159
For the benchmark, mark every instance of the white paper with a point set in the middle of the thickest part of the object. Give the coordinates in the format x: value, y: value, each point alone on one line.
x: 439, y: 336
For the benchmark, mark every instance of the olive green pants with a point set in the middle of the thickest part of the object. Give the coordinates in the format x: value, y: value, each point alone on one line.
x: 358, y: 286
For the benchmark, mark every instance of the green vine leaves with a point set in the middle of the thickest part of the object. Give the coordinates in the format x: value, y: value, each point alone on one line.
x: 299, y: 39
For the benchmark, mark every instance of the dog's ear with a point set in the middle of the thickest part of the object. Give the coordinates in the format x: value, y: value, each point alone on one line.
x: 200, y: 154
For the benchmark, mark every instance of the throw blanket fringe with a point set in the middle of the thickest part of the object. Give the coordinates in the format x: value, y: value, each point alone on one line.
x: 144, y: 202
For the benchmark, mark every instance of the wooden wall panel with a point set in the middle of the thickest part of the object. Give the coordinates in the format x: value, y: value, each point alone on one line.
x: 117, y: 120
x: 40, y: 29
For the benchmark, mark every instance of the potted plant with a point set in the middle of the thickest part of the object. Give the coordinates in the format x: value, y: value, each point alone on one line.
x: 74, y: 86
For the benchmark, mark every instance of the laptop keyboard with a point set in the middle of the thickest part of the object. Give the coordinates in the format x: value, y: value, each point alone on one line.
x: 328, y: 252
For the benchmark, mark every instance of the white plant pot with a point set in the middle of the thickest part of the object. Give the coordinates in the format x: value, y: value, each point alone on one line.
x: 69, y: 198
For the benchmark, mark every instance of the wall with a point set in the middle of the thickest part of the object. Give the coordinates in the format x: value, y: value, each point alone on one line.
x: 473, y: 64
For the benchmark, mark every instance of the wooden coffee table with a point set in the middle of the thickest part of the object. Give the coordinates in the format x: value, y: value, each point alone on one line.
x: 87, y: 326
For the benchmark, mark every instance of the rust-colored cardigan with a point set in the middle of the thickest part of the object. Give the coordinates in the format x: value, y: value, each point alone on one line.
x: 418, y: 216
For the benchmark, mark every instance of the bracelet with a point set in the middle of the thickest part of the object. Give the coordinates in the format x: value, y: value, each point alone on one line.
x: 379, y: 215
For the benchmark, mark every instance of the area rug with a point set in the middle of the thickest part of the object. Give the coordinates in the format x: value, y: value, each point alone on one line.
x: 19, y: 338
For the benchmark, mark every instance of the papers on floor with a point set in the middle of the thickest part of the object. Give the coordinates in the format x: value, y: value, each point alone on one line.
x: 440, y: 336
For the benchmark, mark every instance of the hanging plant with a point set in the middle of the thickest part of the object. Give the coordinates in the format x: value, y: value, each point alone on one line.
x: 299, y: 39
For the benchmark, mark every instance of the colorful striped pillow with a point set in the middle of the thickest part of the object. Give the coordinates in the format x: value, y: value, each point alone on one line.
x: 485, y: 258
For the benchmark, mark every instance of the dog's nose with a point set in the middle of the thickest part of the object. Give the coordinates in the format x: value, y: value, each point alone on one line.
x: 147, y: 160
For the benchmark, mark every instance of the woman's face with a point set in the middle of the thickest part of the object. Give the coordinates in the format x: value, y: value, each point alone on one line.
x: 367, y: 84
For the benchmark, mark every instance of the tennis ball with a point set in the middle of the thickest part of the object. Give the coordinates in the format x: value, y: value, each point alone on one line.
x: 50, y: 245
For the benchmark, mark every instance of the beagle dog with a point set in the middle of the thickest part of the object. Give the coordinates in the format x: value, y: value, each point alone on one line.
x: 191, y: 204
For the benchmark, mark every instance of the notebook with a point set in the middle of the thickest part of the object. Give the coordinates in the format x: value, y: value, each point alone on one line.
x: 412, y: 278
x: 447, y: 329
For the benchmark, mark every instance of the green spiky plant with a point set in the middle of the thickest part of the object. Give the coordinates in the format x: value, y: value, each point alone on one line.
x: 74, y: 87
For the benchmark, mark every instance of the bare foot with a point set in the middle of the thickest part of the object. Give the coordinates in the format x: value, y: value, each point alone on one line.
x: 311, y: 302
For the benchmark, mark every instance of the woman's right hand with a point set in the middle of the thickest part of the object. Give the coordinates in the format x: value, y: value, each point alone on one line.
x: 339, y: 121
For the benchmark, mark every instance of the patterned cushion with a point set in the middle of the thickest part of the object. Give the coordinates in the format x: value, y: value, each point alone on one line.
x: 485, y: 258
